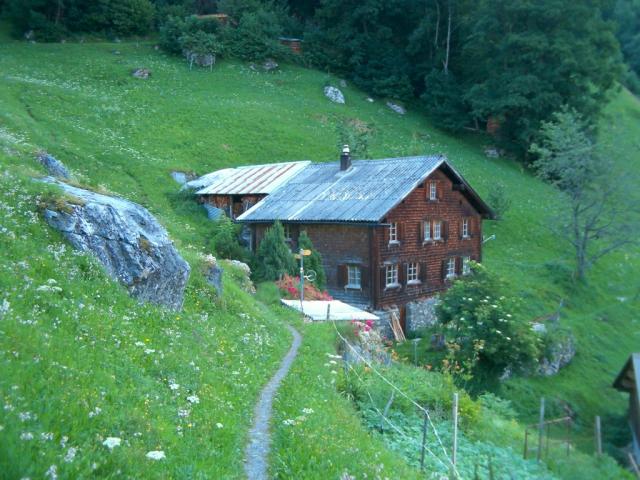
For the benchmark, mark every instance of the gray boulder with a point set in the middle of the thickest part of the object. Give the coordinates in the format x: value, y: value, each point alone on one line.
x: 334, y: 94
x: 559, y: 355
x: 214, y: 276
x: 399, y: 109
x: 133, y: 247
x: 54, y: 167
x: 142, y: 73
x: 270, y: 65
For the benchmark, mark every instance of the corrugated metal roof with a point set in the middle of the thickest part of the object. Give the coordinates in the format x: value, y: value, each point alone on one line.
x: 321, y: 192
x: 253, y: 179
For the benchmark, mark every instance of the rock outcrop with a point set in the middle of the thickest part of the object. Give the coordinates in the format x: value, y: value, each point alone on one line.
x: 133, y: 247
x: 399, y: 109
x: 54, y: 167
x: 334, y: 94
x: 559, y: 355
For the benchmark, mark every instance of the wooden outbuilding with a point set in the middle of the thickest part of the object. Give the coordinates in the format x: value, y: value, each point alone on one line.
x: 628, y: 380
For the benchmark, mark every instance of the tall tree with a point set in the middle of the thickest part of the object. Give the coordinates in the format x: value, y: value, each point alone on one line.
x: 599, y: 217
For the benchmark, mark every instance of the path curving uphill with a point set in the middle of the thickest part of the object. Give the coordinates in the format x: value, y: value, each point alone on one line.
x: 257, y: 451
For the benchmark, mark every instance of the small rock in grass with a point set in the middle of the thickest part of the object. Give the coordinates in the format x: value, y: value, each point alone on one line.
x: 399, y: 109
x: 53, y: 166
x: 269, y: 65
x: 334, y: 94
x: 142, y: 73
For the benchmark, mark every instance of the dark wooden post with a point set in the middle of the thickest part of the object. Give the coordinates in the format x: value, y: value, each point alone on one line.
x: 541, y: 428
x: 526, y: 443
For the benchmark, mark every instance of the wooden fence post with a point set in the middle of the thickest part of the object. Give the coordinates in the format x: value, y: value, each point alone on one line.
x: 598, y: 437
x: 455, y: 430
x: 541, y: 429
x: 328, y: 311
x: 526, y: 443
x: 424, y: 440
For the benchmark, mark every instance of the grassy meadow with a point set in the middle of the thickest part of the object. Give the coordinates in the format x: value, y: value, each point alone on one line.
x: 66, y: 352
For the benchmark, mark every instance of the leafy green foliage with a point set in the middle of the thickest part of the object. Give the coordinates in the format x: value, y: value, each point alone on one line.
x: 355, y: 134
x: 484, y: 334
x: 224, y: 241
x: 273, y: 258
x: 313, y: 261
x: 599, y: 216
x: 256, y: 36
x: 499, y: 201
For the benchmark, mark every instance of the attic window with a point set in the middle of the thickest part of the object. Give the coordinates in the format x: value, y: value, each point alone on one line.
x: 393, y: 233
x: 433, y: 191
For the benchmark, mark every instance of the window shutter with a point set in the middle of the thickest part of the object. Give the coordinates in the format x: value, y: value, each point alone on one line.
x: 472, y: 227
x: 461, y: 228
x: 423, y: 272
x: 420, y: 232
x: 383, y: 278
x: 400, y: 231
x: 405, y: 274
x: 445, y: 230
x: 439, y: 190
x: 342, y: 275
x: 364, y: 277
x: 458, y: 265
x: 443, y: 270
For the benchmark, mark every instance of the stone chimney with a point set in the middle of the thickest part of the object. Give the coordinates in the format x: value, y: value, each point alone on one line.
x: 345, y: 158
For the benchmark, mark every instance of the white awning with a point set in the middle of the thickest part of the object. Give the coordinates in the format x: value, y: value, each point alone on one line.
x: 317, y: 310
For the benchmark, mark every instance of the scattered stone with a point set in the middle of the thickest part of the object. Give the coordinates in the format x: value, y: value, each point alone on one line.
x: 539, y: 327
x: 270, y: 65
x: 214, y: 274
x: 54, y: 167
x: 29, y: 35
x: 200, y: 59
x: 156, y: 455
x: 182, y: 177
x: 112, y: 442
x: 142, y: 73
x: 343, y: 83
x: 334, y: 94
x: 560, y: 355
x: 116, y: 52
x: 133, y: 247
x: 399, y: 109
x: 492, y: 152
x: 370, y: 100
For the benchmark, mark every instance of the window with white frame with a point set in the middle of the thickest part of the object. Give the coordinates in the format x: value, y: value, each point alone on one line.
x: 437, y: 230
x: 393, y: 233
x: 413, y: 272
x: 451, y: 267
x: 426, y: 227
x: 466, y: 265
x: 392, y: 275
x: 433, y: 191
x: 465, y: 228
x: 354, y: 279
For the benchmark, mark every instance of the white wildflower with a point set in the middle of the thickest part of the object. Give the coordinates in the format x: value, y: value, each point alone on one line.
x: 156, y: 455
x: 139, y: 344
x: 193, y: 399
x: 96, y: 411
x: 26, y: 436
x: 52, y: 473
x: 289, y: 422
x: 173, y: 385
x: 71, y: 454
x: 63, y: 441
x: 219, y: 425
x: 24, y: 416
x: 149, y: 351
x: 46, y: 436
x: 184, y: 413
x: 112, y: 442
x: 307, y: 411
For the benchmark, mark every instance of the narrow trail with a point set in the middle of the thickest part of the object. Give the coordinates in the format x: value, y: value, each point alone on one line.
x: 257, y: 451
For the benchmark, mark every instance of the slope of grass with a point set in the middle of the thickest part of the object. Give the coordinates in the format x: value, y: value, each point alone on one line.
x: 79, y: 102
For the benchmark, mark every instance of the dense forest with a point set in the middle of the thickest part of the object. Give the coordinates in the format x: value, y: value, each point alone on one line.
x: 468, y: 64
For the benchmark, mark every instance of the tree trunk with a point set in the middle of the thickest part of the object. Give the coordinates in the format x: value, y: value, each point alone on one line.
x: 446, y: 58
x: 435, y: 38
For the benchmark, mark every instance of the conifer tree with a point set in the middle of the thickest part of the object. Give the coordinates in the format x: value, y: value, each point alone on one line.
x: 273, y: 258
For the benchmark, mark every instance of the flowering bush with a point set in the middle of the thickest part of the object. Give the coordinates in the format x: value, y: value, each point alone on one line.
x: 484, y: 336
x: 290, y: 288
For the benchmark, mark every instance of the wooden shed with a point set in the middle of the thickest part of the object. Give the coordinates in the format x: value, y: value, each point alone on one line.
x: 294, y: 44
x: 628, y: 380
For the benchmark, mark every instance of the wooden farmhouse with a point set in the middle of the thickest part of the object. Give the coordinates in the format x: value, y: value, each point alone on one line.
x: 390, y: 231
x: 628, y: 380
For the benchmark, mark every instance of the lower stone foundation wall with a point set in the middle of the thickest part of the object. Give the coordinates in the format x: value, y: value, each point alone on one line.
x: 421, y: 314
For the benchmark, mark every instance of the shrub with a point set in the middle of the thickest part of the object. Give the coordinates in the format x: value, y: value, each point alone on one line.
x: 484, y: 335
x: 313, y: 261
x: 290, y: 288
x: 273, y: 258
x: 498, y: 201
x: 224, y: 241
x: 256, y: 37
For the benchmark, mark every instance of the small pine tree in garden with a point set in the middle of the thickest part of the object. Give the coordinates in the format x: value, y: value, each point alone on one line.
x: 313, y: 261
x: 273, y: 258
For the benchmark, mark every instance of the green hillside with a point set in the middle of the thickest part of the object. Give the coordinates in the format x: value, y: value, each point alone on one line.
x: 125, y: 135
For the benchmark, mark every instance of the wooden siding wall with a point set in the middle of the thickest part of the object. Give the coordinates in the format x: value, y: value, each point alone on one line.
x: 450, y: 208
x: 241, y: 203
